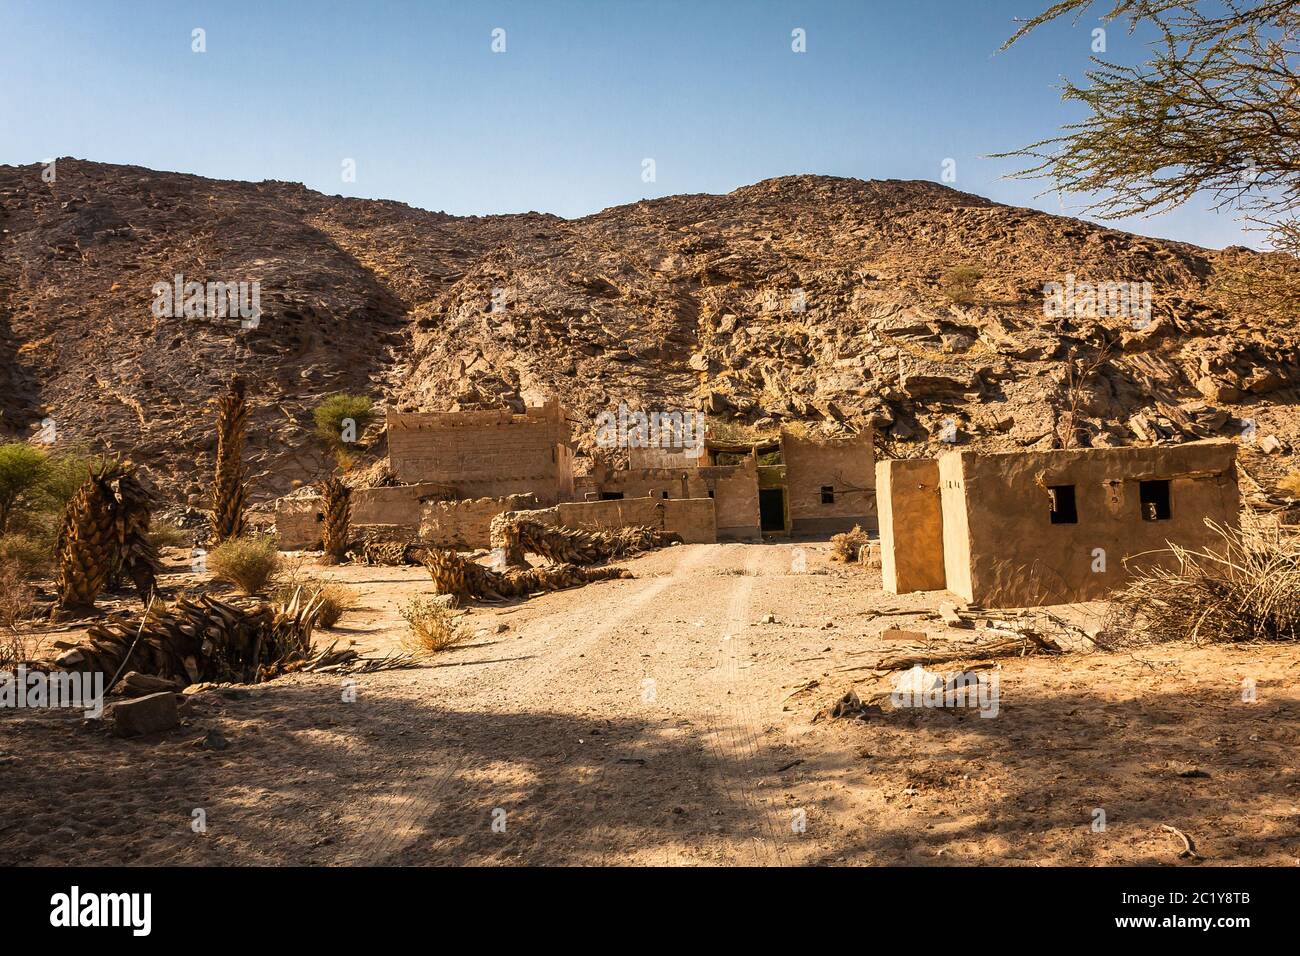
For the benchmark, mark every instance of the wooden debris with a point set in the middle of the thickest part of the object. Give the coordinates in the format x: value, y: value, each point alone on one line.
x: 1189, y: 848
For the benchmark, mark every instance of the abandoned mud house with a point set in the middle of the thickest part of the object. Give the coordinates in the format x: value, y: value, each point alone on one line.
x: 1021, y: 529
x: 792, y: 485
x: 486, y: 454
x: 455, y: 471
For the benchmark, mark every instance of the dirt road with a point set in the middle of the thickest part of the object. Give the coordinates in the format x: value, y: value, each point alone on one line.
x: 661, y: 720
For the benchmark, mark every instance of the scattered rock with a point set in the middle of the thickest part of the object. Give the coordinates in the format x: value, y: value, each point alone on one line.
x: 145, y: 715
x: 213, y: 740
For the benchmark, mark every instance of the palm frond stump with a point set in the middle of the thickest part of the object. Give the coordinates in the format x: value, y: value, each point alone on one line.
x: 87, y: 544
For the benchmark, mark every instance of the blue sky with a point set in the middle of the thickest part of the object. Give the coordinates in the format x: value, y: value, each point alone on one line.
x: 563, y: 119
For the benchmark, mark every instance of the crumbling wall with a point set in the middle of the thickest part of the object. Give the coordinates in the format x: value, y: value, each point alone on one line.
x: 1002, y: 548
x: 485, y: 454
x: 298, y: 523
x: 846, y: 466
x: 673, y: 457
x: 298, y: 520
x: 466, y: 525
x: 692, y: 518
x: 733, y: 488
x: 910, y: 510
x: 395, y: 504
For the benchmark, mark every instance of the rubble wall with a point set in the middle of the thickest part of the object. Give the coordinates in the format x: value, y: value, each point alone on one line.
x: 466, y: 525
x: 910, y: 510
x: 692, y: 518
x: 1001, y: 548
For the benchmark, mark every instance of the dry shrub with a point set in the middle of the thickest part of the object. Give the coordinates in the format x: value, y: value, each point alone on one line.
x: 433, y: 626
x: 846, y: 545
x: 17, y: 597
x: 961, y: 284
x: 335, y: 599
x: 29, y: 553
x: 1290, y: 485
x: 168, y: 534
x: 1246, y: 588
x: 247, y: 563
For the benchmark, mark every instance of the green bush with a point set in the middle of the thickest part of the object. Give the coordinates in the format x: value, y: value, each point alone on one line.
x: 331, y: 413
x: 247, y: 563
x: 23, y: 468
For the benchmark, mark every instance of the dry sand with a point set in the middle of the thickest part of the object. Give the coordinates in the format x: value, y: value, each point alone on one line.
x: 657, y: 721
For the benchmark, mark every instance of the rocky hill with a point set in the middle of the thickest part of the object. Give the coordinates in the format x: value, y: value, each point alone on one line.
x: 906, y: 305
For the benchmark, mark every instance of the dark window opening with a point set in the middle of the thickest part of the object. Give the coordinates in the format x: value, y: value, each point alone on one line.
x: 664, y: 494
x: 611, y: 496
x: 1064, y: 510
x: 828, y: 494
x: 1154, y: 496
x: 710, y: 492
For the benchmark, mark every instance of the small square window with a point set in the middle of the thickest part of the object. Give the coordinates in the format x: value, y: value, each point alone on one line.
x: 710, y: 492
x: 1064, y: 510
x: 1154, y: 496
x: 828, y: 494
x: 664, y: 494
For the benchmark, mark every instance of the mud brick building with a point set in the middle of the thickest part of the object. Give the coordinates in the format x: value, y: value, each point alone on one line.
x: 1021, y: 529
x: 486, y: 454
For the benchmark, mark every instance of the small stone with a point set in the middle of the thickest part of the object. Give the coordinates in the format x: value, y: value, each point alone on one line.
x: 214, y: 740
x: 145, y: 715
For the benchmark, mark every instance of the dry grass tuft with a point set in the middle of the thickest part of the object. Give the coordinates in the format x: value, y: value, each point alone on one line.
x: 247, y: 563
x: 433, y: 626
x: 846, y: 545
x: 336, y: 599
x: 1290, y: 485
x: 17, y: 597
x: 1245, y: 589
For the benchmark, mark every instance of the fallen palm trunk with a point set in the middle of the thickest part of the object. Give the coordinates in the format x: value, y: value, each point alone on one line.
x: 573, y: 545
x: 465, y: 580
x: 198, y: 640
x: 390, y: 553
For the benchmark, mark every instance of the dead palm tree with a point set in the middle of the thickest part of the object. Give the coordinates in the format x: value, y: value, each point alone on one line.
x: 230, y: 482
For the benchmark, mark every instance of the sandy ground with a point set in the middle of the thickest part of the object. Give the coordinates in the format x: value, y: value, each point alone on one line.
x: 660, y: 721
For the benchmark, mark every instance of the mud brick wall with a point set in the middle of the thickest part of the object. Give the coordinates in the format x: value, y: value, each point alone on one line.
x: 846, y: 465
x: 298, y: 523
x: 1002, y: 548
x: 396, y: 504
x: 733, y: 488
x: 911, y: 525
x: 298, y: 520
x: 466, y: 525
x: 489, y: 454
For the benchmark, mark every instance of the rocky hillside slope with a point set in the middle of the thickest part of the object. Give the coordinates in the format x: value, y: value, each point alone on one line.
x: 805, y: 298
